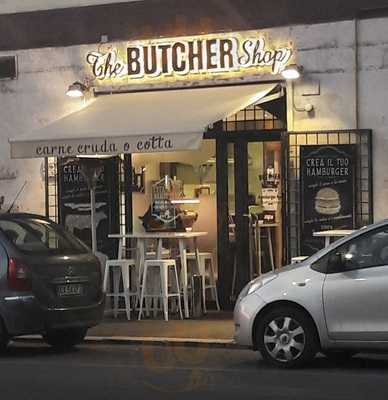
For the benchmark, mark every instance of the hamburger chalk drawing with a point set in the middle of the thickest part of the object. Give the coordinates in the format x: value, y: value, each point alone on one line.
x: 327, y: 202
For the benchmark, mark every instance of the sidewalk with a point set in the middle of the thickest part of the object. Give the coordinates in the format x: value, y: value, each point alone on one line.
x: 215, y: 328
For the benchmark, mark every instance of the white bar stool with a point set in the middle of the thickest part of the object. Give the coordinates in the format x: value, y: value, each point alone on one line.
x: 203, y: 258
x: 121, y: 270
x: 163, y: 266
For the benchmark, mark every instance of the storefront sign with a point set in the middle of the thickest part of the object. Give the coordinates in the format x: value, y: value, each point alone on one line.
x: 103, y: 146
x: 74, y: 203
x: 185, y: 57
x: 327, y: 189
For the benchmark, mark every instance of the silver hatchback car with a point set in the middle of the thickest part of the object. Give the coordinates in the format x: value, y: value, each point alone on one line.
x: 334, y: 302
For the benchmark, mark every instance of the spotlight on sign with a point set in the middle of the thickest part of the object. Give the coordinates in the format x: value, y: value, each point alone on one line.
x: 292, y: 71
x: 76, y: 89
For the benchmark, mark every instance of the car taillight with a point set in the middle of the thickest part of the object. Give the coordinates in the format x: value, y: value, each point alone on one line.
x: 17, y: 276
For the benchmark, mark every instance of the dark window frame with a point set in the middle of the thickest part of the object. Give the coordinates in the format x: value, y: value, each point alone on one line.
x: 362, y: 138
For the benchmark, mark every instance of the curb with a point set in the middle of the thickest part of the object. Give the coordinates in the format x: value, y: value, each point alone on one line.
x: 148, y: 341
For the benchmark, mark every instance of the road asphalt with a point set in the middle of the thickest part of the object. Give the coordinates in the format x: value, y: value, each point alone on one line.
x: 98, y: 371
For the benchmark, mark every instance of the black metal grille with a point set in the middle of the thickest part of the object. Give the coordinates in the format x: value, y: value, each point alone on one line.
x: 364, y: 191
x: 122, y: 213
x: 250, y: 118
x: 125, y: 200
x: 51, y: 189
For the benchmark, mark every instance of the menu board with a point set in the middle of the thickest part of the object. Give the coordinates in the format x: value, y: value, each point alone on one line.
x: 327, y: 191
x: 270, y: 198
x: 74, y: 203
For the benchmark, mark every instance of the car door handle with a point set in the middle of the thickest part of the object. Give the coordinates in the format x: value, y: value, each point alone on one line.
x: 301, y: 284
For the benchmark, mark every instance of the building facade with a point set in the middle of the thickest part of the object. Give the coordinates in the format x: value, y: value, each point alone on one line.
x: 338, y: 101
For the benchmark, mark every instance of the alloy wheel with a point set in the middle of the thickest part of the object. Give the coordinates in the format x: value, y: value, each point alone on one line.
x: 284, y: 339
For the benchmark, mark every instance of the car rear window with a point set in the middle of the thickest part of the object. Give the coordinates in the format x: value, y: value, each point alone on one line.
x: 40, y: 236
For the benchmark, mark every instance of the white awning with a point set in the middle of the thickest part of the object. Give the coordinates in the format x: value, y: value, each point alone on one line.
x: 138, y: 122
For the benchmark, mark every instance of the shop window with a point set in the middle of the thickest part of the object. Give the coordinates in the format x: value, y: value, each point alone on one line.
x: 53, y: 197
x: 179, y: 192
x: 252, y: 118
x: 269, y: 115
x: 363, y: 194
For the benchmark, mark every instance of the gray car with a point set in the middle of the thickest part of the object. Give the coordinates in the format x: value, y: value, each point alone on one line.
x: 50, y: 282
x: 335, y: 302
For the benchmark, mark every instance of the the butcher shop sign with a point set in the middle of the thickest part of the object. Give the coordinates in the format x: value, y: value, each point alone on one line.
x: 189, y: 57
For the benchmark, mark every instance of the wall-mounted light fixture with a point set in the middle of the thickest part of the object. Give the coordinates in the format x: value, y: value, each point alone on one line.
x: 292, y: 72
x: 76, y: 89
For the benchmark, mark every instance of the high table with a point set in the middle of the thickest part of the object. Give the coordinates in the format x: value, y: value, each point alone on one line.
x: 182, y: 237
x: 332, y: 233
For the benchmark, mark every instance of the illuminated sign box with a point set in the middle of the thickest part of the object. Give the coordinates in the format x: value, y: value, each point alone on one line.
x: 185, y: 58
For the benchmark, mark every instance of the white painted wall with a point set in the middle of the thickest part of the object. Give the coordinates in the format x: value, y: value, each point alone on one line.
x: 325, y: 50
x: 16, y: 6
x: 373, y: 70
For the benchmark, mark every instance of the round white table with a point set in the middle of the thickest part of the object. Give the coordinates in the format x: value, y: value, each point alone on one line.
x: 332, y: 234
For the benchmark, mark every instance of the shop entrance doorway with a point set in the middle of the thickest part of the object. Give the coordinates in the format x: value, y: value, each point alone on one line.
x: 251, y: 226
x: 251, y: 160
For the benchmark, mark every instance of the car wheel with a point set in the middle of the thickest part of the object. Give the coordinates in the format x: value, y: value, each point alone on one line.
x: 65, y: 338
x: 286, y: 337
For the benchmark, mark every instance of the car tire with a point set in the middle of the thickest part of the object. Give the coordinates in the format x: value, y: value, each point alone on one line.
x: 65, y: 338
x: 339, y: 356
x: 4, y: 337
x: 286, y: 337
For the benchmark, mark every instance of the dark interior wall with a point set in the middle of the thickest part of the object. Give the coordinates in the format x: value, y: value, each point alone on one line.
x: 154, y: 18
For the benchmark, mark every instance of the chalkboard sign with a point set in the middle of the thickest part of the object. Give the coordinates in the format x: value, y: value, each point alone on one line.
x: 74, y: 203
x: 327, y: 191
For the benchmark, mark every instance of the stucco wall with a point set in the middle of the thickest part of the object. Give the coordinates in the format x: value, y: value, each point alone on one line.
x: 373, y: 96
x: 33, y: 100
x: 325, y: 50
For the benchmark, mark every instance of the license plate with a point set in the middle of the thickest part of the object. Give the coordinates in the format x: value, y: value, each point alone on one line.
x: 70, y: 290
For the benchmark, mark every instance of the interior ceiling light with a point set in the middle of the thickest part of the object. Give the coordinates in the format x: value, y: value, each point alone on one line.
x: 292, y: 71
x: 76, y: 89
x: 185, y: 201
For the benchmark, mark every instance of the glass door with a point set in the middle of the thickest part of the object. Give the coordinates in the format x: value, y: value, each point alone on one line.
x: 253, y: 244
x: 264, y: 206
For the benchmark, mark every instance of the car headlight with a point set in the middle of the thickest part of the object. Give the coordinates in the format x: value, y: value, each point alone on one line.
x: 252, y: 286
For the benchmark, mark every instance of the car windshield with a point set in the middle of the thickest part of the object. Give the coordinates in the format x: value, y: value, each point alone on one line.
x: 32, y: 235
